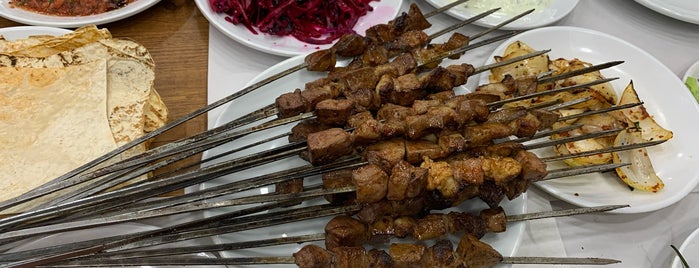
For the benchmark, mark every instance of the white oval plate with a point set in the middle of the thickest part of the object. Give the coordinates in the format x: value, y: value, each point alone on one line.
x: 13, y: 33
x: 689, y: 249
x: 32, y: 18
x: 288, y: 46
x: 666, y: 99
x: 685, y: 10
x: 552, y: 13
x: 506, y: 243
x: 692, y: 74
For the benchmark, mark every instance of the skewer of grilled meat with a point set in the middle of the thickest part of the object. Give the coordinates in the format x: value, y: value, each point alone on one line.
x: 470, y: 252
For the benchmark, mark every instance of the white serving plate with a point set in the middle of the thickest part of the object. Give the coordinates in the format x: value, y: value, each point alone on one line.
x: 288, y: 46
x: 689, y: 249
x: 32, y: 18
x: 685, y: 10
x: 666, y: 99
x: 506, y: 243
x: 541, y: 17
x: 13, y: 33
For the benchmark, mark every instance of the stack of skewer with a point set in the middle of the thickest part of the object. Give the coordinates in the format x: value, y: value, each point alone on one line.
x: 379, y: 144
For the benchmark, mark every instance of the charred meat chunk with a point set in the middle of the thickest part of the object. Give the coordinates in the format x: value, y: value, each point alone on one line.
x: 321, y: 60
x: 312, y: 256
x: 334, y: 111
x: 290, y: 104
x: 328, y: 145
x: 371, y: 182
x: 344, y: 231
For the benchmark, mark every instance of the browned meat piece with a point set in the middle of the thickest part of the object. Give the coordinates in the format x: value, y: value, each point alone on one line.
x: 506, y: 115
x: 379, y: 259
x: 500, y: 169
x: 467, y: 223
x: 500, y: 149
x: 406, y: 255
x: 338, y: 179
x: 380, y: 34
x: 468, y: 170
x: 487, y: 97
x: 371, y: 183
x: 491, y: 194
x: 403, y: 226
x: 320, y: 60
x: 442, y: 96
x: 413, y: 21
x: 312, y: 256
x: 440, y: 177
x: 374, y: 211
x: 447, y: 115
x: 477, y: 254
x: 461, y: 73
x: 390, y: 112
x: 406, y: 181
x: 416, y: 150
x: 344, y: 231
x: 546, y: 118
x: 334, y: 111
x: 290, y: 104
x: 385, y: 86
x: 431, y: 226
x: 328, y: 145
x: 426, y: 56
x: 374, y: 56
x: 525, y: 126
x: 471, y: 110
x: 386, y: 69
x: 437, y: 80
x: 485, y: 133
x: 403, y: 63
x: 533, y: 169
x: 350, y: 257
x: 418, y: 126
x: 359, y: 79
x: 350, y: 45
x: 441, y: 254
x: 301, y: 130
x: 320, y: 82
x: 406, y: 89
x: 382, y: 230
x: 408, y: 206
x: 365, y: 99
x: 368, y: 132
x: 315, y: 95
x: 456, y: 41
x: 503, y: 90
x: 357, y: 119
x: 386, y: 154
x: 494, y: 219
x: 421, y: 106
x: 525, y: 85
x: 452, y: 142
x: 408, y: 41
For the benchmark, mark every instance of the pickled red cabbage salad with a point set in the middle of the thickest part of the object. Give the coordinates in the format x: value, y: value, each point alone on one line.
x: 312, y: 21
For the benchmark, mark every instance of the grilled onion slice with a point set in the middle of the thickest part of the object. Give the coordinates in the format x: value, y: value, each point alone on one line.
x: 640, y: 174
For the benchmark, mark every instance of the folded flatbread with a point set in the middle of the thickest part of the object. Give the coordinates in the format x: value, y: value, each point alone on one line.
x: 48, y: 117
x: 131, y: 108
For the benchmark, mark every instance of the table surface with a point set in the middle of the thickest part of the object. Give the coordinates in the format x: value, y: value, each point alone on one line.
x: 187, y: 77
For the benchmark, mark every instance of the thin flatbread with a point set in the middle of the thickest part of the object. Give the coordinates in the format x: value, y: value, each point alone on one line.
x: 51, y: 121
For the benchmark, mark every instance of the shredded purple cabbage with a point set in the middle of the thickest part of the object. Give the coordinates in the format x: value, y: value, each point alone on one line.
x: 311, y: 21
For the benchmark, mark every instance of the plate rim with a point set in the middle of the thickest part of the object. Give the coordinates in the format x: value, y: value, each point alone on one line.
x: 694, y: 235
x: 569, y: 8
x: 222, y: 26
x: 660, y: 7
x: 583, y: 202
x: 36, y: 19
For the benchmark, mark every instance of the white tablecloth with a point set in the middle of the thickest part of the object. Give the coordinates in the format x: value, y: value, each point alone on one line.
x: 639, y: 240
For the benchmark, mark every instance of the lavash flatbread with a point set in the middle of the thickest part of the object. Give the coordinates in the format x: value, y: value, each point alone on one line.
x: 47, y: 117
x: 133, y: 107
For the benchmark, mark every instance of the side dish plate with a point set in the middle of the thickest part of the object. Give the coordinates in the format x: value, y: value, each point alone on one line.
x: 288, y: 46
x: 685, y: 10
x: 32, y: 18
x: 542, y: 17
x: 506, y: 243
x: 666, y: 99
